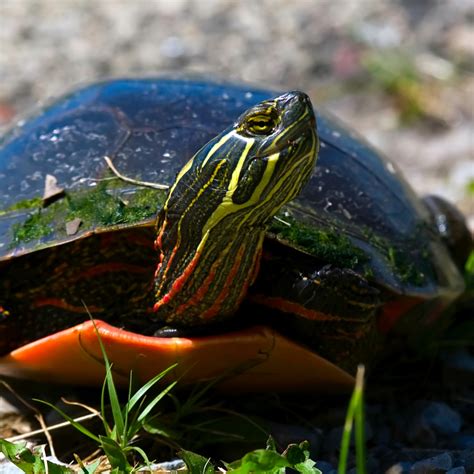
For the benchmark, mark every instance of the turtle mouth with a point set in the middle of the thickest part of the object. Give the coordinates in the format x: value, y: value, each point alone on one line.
x: 291, y: 142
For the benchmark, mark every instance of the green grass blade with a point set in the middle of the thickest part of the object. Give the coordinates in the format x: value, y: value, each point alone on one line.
x: 109, y: 382
x: 133, y: 425
x: 111, y: 389
x: 114, y: 400
x: 125, y: 410
x: 76, y: 425
x: 141, y: 453
x: 137, y: 418
x: 152, y: 404
x: 354, y: 406
x: 116, y: 455
x: 138, y: 395
x: 195, y: 463
x: 102, y: 409
x: 346, y: 439
x: 360, y: 424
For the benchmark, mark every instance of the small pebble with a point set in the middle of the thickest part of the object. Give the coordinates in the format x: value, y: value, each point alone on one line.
x: 464, y: 441
x: 435, y: 465
x: 442, y: 418
x: 399, y: 468
x: 466, y: 460
x: 73, y: 226
x: 325, y: 467
x: 6, y: 408
x: 420, y: 433
x: 383, y: 436
x: 460, y: 359
x: 332, y: 441
x: 6, y: 467
x: 457, y: 470
x: 168, y: 466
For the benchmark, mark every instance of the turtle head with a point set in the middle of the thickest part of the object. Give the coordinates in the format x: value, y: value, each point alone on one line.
x: 211, y: 228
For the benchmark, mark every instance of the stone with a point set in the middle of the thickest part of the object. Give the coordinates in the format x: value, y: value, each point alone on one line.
x: 6, y: 467
x: 464, y: 441
x: 442, y: 418
x: 435, y: 465
x: 325, y: 467
x: 332, y: 440
x: 52, y: 190
x: 466, y: 460
x: 420, y: 433
x: 399, y: 468
x: 457, y: 470
x: 73, y: 226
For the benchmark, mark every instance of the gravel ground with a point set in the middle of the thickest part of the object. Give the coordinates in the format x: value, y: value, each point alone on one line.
x: 401, y: 73
x: 351, y: 56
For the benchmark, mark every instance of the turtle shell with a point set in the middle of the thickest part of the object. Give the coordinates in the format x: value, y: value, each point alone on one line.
x: 356, y: 211
x: 151, y: 127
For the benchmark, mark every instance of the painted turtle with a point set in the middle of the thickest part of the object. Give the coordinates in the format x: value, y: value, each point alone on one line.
x: 354, y: 256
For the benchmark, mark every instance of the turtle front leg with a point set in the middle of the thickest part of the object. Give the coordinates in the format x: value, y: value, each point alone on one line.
x: 332, y: 310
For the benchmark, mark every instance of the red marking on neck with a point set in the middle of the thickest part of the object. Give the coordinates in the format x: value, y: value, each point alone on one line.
x: 256, y: 268
x: 179, y: 282
x: 158, y: 241
x: 201, y: 292
x: 160, y: 263
x: 215, y: 308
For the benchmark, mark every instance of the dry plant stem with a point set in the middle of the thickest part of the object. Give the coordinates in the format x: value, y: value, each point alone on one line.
x: 44, y: 428
x: 47, y: 434
x: 88, y: 458
x: 45, y: 461
x: 82, y: 405
x: 130, y: 180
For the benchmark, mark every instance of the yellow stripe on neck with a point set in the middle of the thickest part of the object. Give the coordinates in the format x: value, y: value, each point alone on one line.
x: 227, y: 206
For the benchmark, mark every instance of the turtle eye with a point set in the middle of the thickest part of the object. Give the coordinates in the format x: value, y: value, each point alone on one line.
x: 261, y: 123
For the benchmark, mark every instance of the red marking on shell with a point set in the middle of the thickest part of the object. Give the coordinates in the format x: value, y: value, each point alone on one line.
x: 112, y: 267
x: 292, y: 307
x: 60, y: 303
x: 392, y: 311
x: 108, y: 240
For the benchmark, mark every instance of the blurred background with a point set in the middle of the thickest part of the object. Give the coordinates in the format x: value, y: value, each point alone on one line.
x: 399, y: 72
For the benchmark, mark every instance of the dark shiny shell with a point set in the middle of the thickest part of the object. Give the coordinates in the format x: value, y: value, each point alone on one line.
x: 357, y: 211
